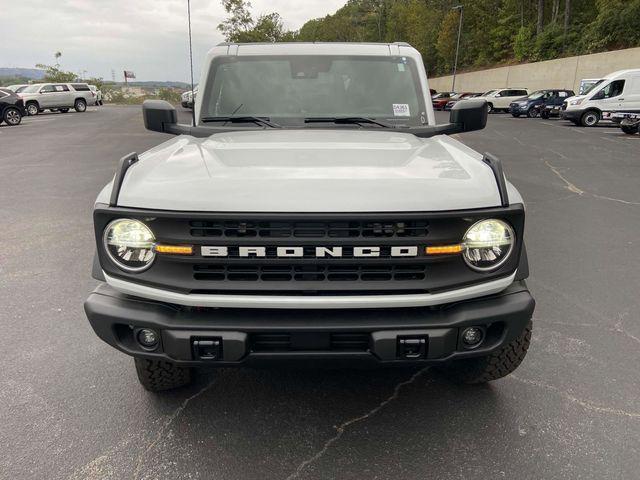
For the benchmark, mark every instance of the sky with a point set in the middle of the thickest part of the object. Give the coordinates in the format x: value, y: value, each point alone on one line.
x: 149, y: 37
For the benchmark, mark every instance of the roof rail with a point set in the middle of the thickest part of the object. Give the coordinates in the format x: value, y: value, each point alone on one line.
x: 498, y: 173
x: 123, y: 165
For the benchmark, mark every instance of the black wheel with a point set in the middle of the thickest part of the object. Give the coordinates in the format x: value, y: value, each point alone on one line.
x: 497, y: 365
x: 158, y: 375
x: 12, y: 116
x: 515, y: 115
x: 32, y: 108
x: 533, y: 112
x: 64, y: 110
x: 489, y: 107
x: 80, y: 105
x: 590, y: 118
x: 630, y: 129
x: 544, y: 114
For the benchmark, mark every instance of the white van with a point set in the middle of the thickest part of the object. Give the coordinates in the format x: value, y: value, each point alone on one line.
x: 616, y: 92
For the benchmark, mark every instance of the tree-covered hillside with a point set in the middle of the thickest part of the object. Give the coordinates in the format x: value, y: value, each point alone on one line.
x: 493, y: 32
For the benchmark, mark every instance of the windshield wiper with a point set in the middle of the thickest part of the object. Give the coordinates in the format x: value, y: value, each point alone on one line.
x: 348, y: 120
x: 243, y: 119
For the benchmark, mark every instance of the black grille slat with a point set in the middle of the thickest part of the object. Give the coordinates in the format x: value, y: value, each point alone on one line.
x: 308, y: 273
x: 312, y: 229
x: 283, y: 342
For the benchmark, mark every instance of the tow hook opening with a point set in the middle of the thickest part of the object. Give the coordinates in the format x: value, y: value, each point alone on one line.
x: 412, y: 348
x: 208, y: 349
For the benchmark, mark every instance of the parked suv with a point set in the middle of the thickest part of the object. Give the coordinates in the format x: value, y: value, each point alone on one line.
x: 534, y: 104
x: 11, y: 107
x: 98, y: 94
x: 500, y: 99
x: 57, y: 96
x: 313, y: 213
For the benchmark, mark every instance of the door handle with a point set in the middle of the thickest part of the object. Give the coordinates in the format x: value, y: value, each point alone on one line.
x: 620, y: 99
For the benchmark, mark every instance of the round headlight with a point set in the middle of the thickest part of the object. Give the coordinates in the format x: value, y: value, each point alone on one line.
x: 129, y: 243
x: 488, y: 244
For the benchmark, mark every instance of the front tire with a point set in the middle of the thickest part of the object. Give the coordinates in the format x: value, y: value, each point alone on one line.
x: 532, y: 112
x: 515, y: 115
x: 590, y: 118
x: 491, y: 367
x: 80, y: 105
x: 544, y: 114
x: 12, y: 116
x: 159, y: 375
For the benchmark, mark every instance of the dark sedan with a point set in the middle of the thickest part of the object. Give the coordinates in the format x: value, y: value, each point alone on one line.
x: 532, y: 105
x: 11, y: 107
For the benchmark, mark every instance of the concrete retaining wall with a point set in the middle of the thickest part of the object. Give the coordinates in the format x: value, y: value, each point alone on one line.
x: 560, y: 73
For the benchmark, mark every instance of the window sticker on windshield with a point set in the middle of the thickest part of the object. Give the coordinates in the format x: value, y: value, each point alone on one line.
x: 401, y: 110
x: 400, y: 67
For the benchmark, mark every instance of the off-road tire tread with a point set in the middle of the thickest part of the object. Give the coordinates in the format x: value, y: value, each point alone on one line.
x: 496, y: 365
x: 158, y: 375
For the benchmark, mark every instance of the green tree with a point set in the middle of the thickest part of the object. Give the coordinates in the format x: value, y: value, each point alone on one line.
x: 240, y: 26
x: 447, y: 38
x: 53, y: 73
x: 239, y: 19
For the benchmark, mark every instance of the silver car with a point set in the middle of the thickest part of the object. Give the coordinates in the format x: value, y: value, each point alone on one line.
x: 57, y: 97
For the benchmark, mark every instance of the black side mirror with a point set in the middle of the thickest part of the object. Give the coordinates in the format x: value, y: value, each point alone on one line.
x: 469, y: 115
x: 158, y: 115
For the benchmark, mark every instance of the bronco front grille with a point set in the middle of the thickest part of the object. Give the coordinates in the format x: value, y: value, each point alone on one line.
x: 309, y: 229
x: 308, y: 253
x: 309, y: 273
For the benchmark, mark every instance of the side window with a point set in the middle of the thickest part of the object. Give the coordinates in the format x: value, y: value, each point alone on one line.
x: 500, y: 93
x: 563, y: 94
x: 47, y: 89
x: 521, y: 93
x: 612, y: 90
x: 61, y: 88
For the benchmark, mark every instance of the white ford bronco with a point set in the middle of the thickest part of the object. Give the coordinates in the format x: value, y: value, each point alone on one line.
x: 314, y: 213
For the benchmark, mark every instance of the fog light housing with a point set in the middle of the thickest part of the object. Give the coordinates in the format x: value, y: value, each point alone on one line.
x: 472, y: 336
x: 148, y: 338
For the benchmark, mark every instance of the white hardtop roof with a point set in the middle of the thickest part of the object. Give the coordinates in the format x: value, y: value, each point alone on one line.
x: 312, y: 48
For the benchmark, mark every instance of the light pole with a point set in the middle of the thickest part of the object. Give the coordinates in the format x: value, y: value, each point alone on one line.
x: 455, y: 63
x: 193, y: 110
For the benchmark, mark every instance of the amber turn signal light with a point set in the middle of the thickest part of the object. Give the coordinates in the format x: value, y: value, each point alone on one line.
x: 174, y: 249
x: 443, y: 249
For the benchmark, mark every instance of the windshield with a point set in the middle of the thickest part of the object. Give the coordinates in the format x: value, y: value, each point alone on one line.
x: 586, y: 87
x: 488, y: 93
x: 32, y: 88
x: 292, y: 88
x: 537, y: 95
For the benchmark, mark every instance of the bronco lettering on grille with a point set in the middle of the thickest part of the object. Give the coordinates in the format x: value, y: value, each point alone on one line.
x: 318, y: 252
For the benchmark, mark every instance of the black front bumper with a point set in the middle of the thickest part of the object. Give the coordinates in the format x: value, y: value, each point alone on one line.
x: 253, y: 336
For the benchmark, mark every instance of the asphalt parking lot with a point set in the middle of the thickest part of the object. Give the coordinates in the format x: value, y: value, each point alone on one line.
x: 71, y: 407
